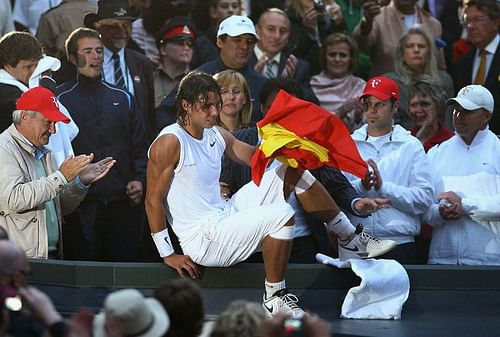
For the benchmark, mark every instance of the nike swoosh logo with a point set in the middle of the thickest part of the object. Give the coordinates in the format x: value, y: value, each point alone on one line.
x: 115, y: 103
x: 355, y: 249
x: 269, y: 309
x: 212, y: 144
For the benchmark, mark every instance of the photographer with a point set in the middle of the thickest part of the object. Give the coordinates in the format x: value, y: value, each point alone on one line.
x: 311, y: 21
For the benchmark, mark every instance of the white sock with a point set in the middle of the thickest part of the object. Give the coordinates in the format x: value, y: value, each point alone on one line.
x: 272, y: 288
x: 341, y: 226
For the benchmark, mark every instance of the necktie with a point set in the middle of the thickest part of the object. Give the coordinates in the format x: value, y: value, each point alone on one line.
x: 270, y: 73
x: 481, y: 71
x: 119, y: 82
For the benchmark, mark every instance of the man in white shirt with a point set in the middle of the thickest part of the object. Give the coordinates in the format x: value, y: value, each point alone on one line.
x: 400, y: 171
x: 466, y: 211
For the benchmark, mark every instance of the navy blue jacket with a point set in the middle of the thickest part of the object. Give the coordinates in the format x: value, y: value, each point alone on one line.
x: 110, y: 125
x: 165, y: 112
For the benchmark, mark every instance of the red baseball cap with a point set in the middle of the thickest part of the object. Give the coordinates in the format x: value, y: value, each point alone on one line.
x: 41, y: 99
x: 381, y: 87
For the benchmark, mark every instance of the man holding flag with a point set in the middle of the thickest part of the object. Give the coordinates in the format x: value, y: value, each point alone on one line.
x: 183, y: 170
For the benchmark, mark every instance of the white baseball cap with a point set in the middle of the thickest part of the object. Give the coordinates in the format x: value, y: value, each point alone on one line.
x: 474, y: 96
x: 236, y: 25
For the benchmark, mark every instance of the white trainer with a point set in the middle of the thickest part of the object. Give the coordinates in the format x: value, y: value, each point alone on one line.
x: 363, y: 246
x: 282, y: 302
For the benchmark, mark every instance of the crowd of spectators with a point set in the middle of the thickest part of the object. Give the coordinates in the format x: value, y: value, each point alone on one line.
x: 418, y: 89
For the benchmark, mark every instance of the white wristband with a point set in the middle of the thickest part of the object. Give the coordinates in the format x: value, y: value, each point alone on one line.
x: 162, y: 243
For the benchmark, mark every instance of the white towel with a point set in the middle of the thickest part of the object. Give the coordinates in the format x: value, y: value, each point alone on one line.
x: 384, y: 288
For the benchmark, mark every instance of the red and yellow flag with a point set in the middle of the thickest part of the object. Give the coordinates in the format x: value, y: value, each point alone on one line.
x: 303, y: 135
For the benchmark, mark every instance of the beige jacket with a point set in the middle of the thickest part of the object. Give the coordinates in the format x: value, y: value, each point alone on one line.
x: 23, y: 195
x: 387, y: 29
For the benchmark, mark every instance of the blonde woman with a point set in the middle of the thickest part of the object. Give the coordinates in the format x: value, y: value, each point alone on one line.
x: 416, y: 56
x: 236, y: 100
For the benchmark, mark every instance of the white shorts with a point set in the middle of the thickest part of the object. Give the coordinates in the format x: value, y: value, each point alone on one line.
x: 254, y: 213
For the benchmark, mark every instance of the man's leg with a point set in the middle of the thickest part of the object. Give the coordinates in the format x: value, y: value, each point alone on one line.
x: 276, y: 253
x: 315, y: 199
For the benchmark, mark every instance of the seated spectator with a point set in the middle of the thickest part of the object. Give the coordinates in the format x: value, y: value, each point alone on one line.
x: 310, y: 25
x: 175, y: 44
x: 183, y: 302
x: 416, y: 56
x: 336, y: 87
x: 6, y: 22
x: 128, y: 313
x: 236, y: 100
x: 240, y: 319
x: 426, y: 108
x: 465, y: 214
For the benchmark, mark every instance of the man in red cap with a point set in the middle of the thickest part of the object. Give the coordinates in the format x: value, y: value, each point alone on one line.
x: 399, y: 171
x: 175, y: 44
x: 33, y: 192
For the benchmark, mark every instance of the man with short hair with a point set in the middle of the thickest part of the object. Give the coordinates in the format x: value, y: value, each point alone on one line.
x: 126, y: 68
x: 236, y: 39
x: 399, y: 171
x: 19, y: 56
x: 175, y: 45
x: 269, y: 56
x: 109, y: 124
x: 482, y: 64
x: 34, y: 194
x: 466, y: 211
x: 185, y: 164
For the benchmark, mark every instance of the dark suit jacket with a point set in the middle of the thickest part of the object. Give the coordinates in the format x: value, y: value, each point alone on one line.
x: 462, y: 75
x: 141, y: 70
x: 302, y: 75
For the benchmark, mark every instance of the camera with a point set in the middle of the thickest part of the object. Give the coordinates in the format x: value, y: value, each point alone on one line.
x: 293, y: 326
x: 319, y: 5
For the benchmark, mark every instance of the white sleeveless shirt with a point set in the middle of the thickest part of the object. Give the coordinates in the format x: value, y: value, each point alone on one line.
x: 194, y: 196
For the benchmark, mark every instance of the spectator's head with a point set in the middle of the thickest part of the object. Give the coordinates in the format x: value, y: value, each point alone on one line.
x: 416, y: 54
x: 426, y: 102
x: 182, y: 300
x: 380, y: 100
x: 273, y: 29
x: 14, y: 267
x: 236, y: 38
x: 236, y: 98
x: 175, y: 41
x: 241, y: 319
x: 127, y: 312
x: 113, y: 21
x: 84, y: 50
x: 481, y: 19
x: 19, y: 55
x: 271, y: 88
x: 221, y: 9
x: 35, y: 116
x: 339, y: 55
x: 472, y: 110
x: 198, y: 97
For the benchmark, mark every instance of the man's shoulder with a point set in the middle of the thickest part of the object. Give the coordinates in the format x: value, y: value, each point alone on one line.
x: 211, y: 67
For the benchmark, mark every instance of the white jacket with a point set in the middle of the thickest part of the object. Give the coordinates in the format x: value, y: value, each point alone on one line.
x: 473, y: 172
x: 407, y: 182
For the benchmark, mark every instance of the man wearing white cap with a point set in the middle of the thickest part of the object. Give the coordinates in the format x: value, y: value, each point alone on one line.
x: 466, y: 212
x: 236, y: 39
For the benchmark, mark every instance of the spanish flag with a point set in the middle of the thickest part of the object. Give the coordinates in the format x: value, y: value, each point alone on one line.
x: 303, y: 135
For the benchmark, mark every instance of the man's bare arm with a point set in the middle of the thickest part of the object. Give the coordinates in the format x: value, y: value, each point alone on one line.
x: 237, y: 150
x: 164, y: 156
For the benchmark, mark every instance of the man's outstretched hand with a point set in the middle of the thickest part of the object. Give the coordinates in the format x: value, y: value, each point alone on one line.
x: 183, y: 264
